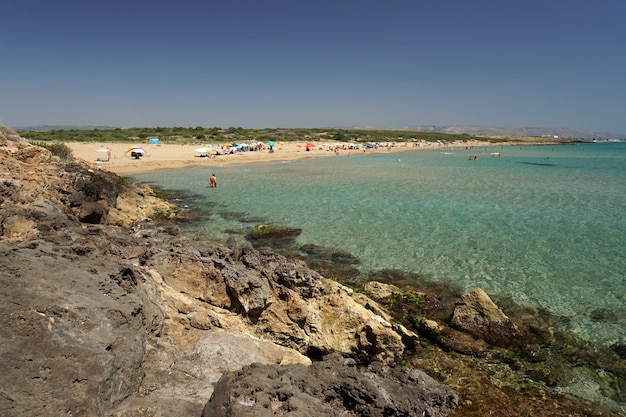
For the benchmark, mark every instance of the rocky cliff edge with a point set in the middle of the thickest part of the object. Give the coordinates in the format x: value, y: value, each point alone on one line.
x: 107, y: 313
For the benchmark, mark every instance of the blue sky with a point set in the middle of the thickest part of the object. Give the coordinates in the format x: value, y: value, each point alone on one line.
x: 258, y: 64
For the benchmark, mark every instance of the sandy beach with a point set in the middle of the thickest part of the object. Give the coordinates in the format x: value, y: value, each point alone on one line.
x: 167, y: 156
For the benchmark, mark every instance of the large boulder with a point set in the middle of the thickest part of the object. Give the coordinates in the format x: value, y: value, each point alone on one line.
x: 278, y: 299
x: 334, y: 387
x: 72, y: 340
x: 478, y: 315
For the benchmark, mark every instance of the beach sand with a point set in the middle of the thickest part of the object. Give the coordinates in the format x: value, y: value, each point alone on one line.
x: 167, y: 156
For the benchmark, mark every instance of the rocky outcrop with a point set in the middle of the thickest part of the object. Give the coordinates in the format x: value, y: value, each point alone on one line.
x: 105, y: 313
x: 334, y: 387
x: 264, y: 294
x: 477, y: 314
x: 38, y: 191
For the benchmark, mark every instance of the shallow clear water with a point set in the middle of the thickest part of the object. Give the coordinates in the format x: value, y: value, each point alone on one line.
x: 541, y: 224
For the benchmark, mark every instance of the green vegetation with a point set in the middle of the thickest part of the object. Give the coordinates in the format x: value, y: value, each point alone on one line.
x: 269, y: 231
x: 356, y: 288
x: 264, y: 229
x: 419, y: 321
x: 57, y: 149
x: 504, y: 140
x: 199, y: 134
x: 164, y: 215
x: 413, y: 297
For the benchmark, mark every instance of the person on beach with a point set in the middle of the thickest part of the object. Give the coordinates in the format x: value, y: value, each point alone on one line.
x: 213, y: 181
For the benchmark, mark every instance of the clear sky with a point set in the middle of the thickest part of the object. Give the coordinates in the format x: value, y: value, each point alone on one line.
x: 314, y: 63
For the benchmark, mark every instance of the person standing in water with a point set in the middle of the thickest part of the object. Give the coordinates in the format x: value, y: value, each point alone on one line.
x: 213, y: 181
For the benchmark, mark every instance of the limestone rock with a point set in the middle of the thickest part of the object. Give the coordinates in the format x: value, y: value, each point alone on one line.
x: 380, y: 290
x: 478, y: 315
x: 71, y: 343
x: 334, y: 387
x: 181, y: 376
x: 102, y: 313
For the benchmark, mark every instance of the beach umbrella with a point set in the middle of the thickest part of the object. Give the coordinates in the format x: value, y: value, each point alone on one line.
x: 154, y: 141
x: 203, y: 150
x: 227, y: 144
x: 103, y: 149
x: 270, y: 143
x: 136, y: 152
x: 135, y: 149
x: 309, y: 145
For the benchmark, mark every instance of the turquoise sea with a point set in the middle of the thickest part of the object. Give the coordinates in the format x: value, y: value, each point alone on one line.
x: 544, y: 225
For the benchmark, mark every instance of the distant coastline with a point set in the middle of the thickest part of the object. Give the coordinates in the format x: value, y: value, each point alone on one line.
x: 482, y: 131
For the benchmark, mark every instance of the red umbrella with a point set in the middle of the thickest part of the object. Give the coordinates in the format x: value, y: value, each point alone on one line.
x: 309, y: 145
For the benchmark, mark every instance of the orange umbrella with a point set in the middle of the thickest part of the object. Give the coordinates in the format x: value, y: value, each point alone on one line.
x: 137, y: 149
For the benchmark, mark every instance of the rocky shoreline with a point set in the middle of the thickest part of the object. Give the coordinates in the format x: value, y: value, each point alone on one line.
x: 109, y: 309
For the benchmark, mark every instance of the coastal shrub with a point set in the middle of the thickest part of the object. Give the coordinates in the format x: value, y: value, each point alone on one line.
x: 58, y: 149
x: 504, y: 140
x: 231, y: 134
x: 8, y: 132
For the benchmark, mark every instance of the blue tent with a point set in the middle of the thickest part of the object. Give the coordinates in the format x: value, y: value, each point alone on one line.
x: 154, y: 141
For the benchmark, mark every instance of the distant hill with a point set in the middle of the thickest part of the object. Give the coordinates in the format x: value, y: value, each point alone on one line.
x: 47, y: 128
x: 561, y: 132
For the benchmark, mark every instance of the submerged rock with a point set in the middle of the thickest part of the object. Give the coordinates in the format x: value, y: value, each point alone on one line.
x: 265, y: 235
x: 620, y: 349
